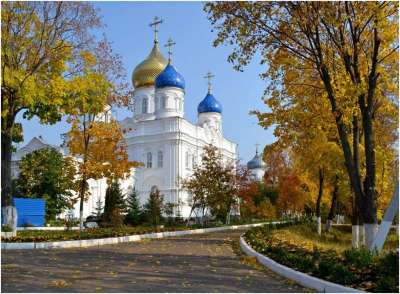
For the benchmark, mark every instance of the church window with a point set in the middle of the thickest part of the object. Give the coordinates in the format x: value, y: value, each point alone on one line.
x: 187, y: 160
x: 145, y: 105
x: 160, y: 159
x: 164, y: 102
x: 180, y: 104
x: 194, y: 161
x: 149, y: 162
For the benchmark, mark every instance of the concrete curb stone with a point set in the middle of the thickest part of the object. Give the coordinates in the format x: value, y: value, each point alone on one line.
x: 299, y: 277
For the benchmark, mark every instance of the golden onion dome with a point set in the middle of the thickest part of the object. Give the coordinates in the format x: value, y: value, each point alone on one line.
x: 146, y: 72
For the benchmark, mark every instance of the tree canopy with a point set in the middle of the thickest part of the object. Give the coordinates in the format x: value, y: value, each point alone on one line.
x: 46, y: 174
x: 337, y: 56
x: 44, y: 51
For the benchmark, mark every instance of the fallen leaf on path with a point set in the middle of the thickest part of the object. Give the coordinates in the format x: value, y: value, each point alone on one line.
x: 59, y: 283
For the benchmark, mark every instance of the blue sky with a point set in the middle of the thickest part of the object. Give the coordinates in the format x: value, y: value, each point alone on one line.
x: 127, y: 26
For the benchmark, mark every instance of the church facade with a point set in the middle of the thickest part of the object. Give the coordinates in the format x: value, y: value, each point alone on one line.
x: 159, y: 136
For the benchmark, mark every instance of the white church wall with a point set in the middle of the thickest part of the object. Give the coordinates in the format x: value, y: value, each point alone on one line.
x: 144, y: 95
x: 169, y: 102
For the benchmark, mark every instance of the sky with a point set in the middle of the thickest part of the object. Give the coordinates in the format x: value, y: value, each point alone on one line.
x: 127, y: 27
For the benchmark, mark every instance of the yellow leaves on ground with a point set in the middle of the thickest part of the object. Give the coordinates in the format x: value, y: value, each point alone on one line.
x: 60, y: 284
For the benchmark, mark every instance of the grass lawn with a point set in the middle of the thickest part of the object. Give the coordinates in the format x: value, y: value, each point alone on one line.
x: 338, y: 239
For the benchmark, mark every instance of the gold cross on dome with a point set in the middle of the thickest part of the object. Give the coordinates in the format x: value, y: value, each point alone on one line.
x: 209, y: 76
x: 169, y: 44
x: 257, y: 148
x: 156, y: 21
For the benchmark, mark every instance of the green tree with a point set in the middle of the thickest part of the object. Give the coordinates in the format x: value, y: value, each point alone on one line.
x: 46, y: 174
x: 98, y: 210
x: 135, y: 214
x: 154, y: 207
x: 169, y: 208
x: 41, y: 54
x: 114, y: 206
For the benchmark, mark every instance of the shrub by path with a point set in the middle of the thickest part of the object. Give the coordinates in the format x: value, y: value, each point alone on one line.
x: 197, y: 263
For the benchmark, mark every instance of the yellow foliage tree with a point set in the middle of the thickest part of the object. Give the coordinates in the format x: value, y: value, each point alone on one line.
x: 41, y: 46
x: 345, y: 52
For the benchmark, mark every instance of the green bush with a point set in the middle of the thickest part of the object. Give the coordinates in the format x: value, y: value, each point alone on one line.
x: 342, y: 275
x: 325, y: 268
x: 388, y: 284
x: 361, y: 257
x: 5, y: 228
x: 387, y: 270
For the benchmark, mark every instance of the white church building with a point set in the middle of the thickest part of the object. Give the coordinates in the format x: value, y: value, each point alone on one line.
x: 158, y: 135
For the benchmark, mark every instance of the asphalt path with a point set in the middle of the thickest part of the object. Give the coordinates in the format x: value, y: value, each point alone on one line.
x: 195, y: 263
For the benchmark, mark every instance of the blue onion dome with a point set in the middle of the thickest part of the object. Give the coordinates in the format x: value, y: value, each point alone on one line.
x: 209, y: 104
x: 170, y: 77
x: 256, y: 162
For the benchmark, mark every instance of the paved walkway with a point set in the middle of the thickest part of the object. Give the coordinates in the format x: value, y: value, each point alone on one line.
x: 197, y: 263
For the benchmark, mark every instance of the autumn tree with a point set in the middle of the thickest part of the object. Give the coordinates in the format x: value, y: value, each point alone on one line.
x: 46, y: 174
x: 95, y: 138
x: 101, y: 152
x: 212, y: 186
x: 347, y: 51
x: 41, y: 47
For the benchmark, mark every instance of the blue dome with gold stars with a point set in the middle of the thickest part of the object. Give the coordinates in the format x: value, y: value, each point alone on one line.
x: 209, y: 104
x: 170, y: 77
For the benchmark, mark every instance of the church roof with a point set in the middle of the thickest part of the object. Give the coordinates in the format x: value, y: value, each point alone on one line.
x: 35, y: 143
x: 256, y: 162
x: 170, y: 77
x: 146, y: 72
x: 209, y: 104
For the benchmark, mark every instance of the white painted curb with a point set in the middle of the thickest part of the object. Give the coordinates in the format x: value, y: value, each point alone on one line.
x: 299, y: 277
x: 116, y: 240
x: 45, y: 228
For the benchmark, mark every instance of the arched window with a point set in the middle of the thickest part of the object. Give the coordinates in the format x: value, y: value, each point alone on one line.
x: 160, y: 159
x: 145, y: 105
x: 149, y: 162
x: 164, y: 102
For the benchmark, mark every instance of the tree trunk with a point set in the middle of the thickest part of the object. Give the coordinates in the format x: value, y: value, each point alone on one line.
x: 82, y: 199
x: 318, y: 205
x: 6, y: 153
x: 357, y: 200
x: 369, y: 203
x: 7, y: 203
x: 343, y: 134
x: 333, y: 204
